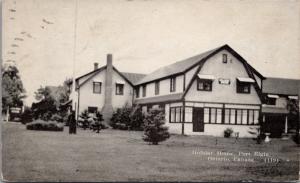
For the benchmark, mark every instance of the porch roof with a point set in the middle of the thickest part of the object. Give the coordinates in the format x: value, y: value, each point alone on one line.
x: 158, y: 99
x: 277, y: 110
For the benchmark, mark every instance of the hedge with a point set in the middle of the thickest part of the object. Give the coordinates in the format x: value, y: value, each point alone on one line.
x: 45, y: 126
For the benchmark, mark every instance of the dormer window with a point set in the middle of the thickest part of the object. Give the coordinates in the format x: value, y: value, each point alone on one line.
x: 271, y: 99
x: 243, y: 85
x: 225, y: 58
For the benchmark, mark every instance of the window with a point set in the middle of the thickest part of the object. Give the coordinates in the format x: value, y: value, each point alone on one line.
x: 271, y: 101
x: 97, y: 87
x: 206, y: 115
x: 242, y: 87
x: 144, y: 90
x: 204, y: 85
x: 188, y: 114
x: 227, y: 117
x: 156, y: 87
x: 173, y: 84
x: 231, y: 116
x: 225, y: 58
x: 137, y: 92
x: 175, y: 114
x: 119, y: 89
x: 92, y: 109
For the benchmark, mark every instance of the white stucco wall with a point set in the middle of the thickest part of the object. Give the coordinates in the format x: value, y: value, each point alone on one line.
x: 223, y: 93
x: 164, y: 87
x: 218, y: 130
x: 120, y: 100
x: 89, y: 99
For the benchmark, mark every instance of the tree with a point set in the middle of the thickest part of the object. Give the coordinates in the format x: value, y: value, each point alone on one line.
x: 154, y: 130
x: 13, y: 91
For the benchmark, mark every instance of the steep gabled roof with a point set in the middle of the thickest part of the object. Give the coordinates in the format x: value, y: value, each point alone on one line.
x: 158, y: 99
x: 281, y: 86
x: 175, y: 68
x: 185, y: 65
x: 133, y: 77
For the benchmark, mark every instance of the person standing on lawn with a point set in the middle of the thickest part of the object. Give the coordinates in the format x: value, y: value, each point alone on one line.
x: 72, y: 122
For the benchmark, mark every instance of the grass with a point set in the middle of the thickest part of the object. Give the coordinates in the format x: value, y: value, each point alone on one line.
x: 115, y: 155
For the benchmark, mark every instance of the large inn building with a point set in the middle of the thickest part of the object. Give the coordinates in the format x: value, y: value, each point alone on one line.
x: 204, y: 94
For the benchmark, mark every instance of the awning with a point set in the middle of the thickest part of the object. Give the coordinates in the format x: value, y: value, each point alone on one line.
x: 293, y: 97
x: 246, y: 80
x: 273, y: 96
x: 120, y: 82
x: 206, y: 76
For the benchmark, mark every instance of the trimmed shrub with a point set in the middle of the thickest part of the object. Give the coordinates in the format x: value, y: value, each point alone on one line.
x: 154, y: 130
x: 57, y: 118
x: 127, y: 118
x: 228, y: 132
x: 27, y: 116
x: 45, y: 126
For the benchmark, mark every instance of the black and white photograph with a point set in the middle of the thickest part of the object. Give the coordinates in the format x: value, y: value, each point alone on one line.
x: 150, y: 90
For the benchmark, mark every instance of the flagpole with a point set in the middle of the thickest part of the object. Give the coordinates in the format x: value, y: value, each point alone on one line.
x: 74, y: 56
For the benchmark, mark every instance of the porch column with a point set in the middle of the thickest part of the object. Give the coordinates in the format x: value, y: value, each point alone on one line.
x: 286, y: 124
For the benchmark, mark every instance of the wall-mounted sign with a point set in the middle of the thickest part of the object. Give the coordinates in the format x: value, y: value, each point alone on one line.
x: 224, y: 81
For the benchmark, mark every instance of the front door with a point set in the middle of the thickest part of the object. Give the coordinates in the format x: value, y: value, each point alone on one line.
x: 198, y: 119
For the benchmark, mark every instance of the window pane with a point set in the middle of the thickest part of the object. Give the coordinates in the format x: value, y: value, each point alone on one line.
x: 213, y: 115
x: 232, y: 116
x: 238, y: 116
x: 256, y: 116
x: 188, y: 114
x: 172, y: 115
x: 244, y: 118
x: 206, y: 115
x: 219, y: 115
x: 250, y: 117
x: 200, y: 85
x: 178, y: 116
x: 226, y: 118
x: 97, y: 87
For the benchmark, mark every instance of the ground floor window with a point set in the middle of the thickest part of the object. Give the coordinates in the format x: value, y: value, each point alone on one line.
x: 176, y: 114
x: 231, y: 116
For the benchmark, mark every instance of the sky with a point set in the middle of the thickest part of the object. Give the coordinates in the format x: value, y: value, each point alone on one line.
x: 51, y: 40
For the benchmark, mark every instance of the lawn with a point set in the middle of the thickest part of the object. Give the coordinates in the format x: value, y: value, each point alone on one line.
x: 115, y: 155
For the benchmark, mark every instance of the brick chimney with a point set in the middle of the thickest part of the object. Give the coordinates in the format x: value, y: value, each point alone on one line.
x: 96, y: 66
x: 107, y: 109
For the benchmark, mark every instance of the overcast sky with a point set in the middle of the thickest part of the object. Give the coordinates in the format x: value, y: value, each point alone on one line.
x: 144, y: 35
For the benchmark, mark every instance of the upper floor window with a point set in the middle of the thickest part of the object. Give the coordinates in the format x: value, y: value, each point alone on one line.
x: 173, y: 84
x: 242, y: 87
x: 204, y: 85
x: 144, y: 90
x: 271, y: 99
x: 97, y: 87
x: 119, y: 89
x: 225, y: 58
x: 156, y: 87
x: 137, y: 92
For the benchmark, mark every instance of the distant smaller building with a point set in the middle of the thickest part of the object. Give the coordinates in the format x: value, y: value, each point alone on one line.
x: 277, y: 92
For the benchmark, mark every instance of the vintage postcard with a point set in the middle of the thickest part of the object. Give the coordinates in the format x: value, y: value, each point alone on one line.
x: 150, y: 90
